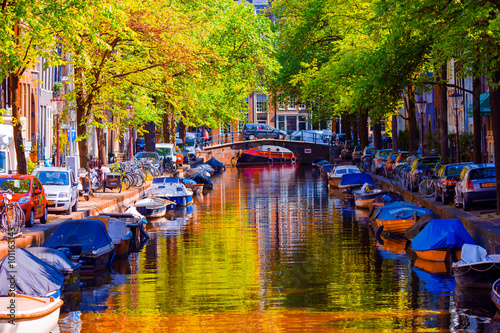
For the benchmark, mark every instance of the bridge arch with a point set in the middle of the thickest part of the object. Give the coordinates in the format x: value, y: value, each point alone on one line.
x: 306, y: 152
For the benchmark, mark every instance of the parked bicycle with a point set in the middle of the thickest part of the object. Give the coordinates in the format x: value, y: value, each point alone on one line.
x: 12, y: 215
x: 427, y: 185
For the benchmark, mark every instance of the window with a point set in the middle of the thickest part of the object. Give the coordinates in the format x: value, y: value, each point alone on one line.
x: 302, y: 106
x: 261, y: 103
x: 293, y: 101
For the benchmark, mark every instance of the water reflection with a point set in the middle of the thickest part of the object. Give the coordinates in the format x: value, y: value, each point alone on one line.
x: 269, y: 249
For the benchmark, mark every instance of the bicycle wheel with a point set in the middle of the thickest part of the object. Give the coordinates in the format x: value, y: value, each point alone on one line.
x: 426, y: 187
x: 13, y: 218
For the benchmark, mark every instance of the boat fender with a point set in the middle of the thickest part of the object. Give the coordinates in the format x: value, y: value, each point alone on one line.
x: 282, y: 160
x: 270, y: 160
x: 379, y: 231
x: 293, y: 159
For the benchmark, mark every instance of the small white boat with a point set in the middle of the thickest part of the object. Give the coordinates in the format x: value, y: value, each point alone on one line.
x: 154, y: 207
x: 171, y: 189
x: 364, y: 196
x: 32, y: 314
x: 336, y: 174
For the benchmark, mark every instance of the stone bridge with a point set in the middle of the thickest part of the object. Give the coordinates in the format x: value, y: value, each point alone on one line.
x: 306, y: 152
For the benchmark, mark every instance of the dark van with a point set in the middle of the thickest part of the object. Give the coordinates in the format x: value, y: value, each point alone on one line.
x: 262, y: 131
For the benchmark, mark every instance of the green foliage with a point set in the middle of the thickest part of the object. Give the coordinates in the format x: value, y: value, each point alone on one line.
x: 31, y: 166
x: 403, y: 139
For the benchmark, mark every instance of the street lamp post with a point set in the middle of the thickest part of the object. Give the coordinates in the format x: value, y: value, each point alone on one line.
x: 455, y: 101
x: 58, y: 106
x: 422, y: 106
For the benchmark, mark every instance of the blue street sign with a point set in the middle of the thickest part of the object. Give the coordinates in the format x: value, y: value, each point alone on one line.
x: 72, y: 135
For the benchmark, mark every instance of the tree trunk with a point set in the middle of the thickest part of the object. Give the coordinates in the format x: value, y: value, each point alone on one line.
x: 81, y: 121
x: 355, y: 131
x: 377, y: 135
x: 495, y: 122
x: 443, y: 121
x: 347, y: 127
x: 182, y: 132
x: 363, y: 128
x: 22, y: 166
x: 395, y: 134
x: 149, y: 137
x: 101, y: 142
x: 476, y: 118
x: 412, y: 122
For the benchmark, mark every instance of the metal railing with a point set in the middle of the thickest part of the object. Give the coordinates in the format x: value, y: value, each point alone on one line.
x: 239, y: 136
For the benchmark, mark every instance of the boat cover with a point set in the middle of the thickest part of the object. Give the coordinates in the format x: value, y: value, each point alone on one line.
x: 442, y: 234
x: 320, y: 163
x: 118, y: 231
x: 328, y: 167
x: 32, y: 276
x: 355, y: 179
x: 422, y: 221
x: 206, y: 167
x: 89, y: 234
x: 474, y: 253
x: 399, y: 210
x: 218, y: 166
x: 54, y: 258
x: 188, y: 181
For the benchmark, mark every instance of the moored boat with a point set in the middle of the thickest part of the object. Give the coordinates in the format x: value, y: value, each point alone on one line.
x: 85, y: 241
x: 352, y: 181
x: 32, y: 314
x: 396, y: 217
x: 266, y: 155
x: 441, y: 240
x: 57, y: 259
x: 197, y: 188
x: 495, y: 293
x: 365, y: 195
x: 335, y: 175
x: 135, y: 222
x: 170, y: 189
x: 154, y: 207
x: 477, y: 269
x: 23, y: 273
x: 121, y: 237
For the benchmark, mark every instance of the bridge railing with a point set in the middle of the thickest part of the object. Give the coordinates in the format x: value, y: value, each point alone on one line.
x: 303, y: 136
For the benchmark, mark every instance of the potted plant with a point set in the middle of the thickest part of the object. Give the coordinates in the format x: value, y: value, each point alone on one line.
x: 57, y: 88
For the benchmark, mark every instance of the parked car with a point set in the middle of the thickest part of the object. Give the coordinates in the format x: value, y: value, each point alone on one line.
x: 61, y: 187
x: 448, y: 176
x: 420, y: 166
x: 477, y: 184
x: 315, y: 136
x: 367, y: 157
x: 179, y: 159
x: 388, y: 166
x: 28, y: 192
x: 346, y: 152
x: 262, y: 131
x: 379, y: 158
x: 401, y: 158
x: 356, y: 153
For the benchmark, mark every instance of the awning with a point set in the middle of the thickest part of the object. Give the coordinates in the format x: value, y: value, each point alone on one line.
x: 484, y: 106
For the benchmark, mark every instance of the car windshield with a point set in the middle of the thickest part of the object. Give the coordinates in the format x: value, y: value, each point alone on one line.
x: 426, y: 163
x: 16, y: 185
x: 384, y: 153
x: 393, y: 156
x: 147, y: 155
x: 482, y: 173
x: 52, y: 177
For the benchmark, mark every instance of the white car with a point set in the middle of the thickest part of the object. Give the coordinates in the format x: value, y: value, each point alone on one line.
x: 61, y: 188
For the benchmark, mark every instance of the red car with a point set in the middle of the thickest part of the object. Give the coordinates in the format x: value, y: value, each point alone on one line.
x: 179, y: 158
x: 29, y: 194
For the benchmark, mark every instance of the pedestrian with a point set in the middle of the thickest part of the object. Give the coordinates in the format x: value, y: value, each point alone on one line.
x: 205, y: 137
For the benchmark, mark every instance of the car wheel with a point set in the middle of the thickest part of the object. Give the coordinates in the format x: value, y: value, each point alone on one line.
x: 465, y: 204
x: 68, y: 211
x: 44, y: 218
x: 456, y: 202
x: 251, y: 137
x: 31, y: 220
x: 75, y: 206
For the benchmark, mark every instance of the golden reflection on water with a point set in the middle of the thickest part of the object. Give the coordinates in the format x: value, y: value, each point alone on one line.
x: 261, y: 321
x: 267, y: 250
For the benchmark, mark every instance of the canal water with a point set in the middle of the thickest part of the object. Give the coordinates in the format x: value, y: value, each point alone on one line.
x: 270, y: 249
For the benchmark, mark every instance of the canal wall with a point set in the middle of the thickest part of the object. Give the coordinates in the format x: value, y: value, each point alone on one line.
x: 484, y: 229
x: 107, y: 202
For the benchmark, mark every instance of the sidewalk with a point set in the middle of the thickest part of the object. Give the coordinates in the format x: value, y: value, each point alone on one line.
x: 109, y: 202
x: 484, y: 229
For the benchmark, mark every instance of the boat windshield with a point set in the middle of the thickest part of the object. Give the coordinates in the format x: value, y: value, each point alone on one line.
x: 16, y: 185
